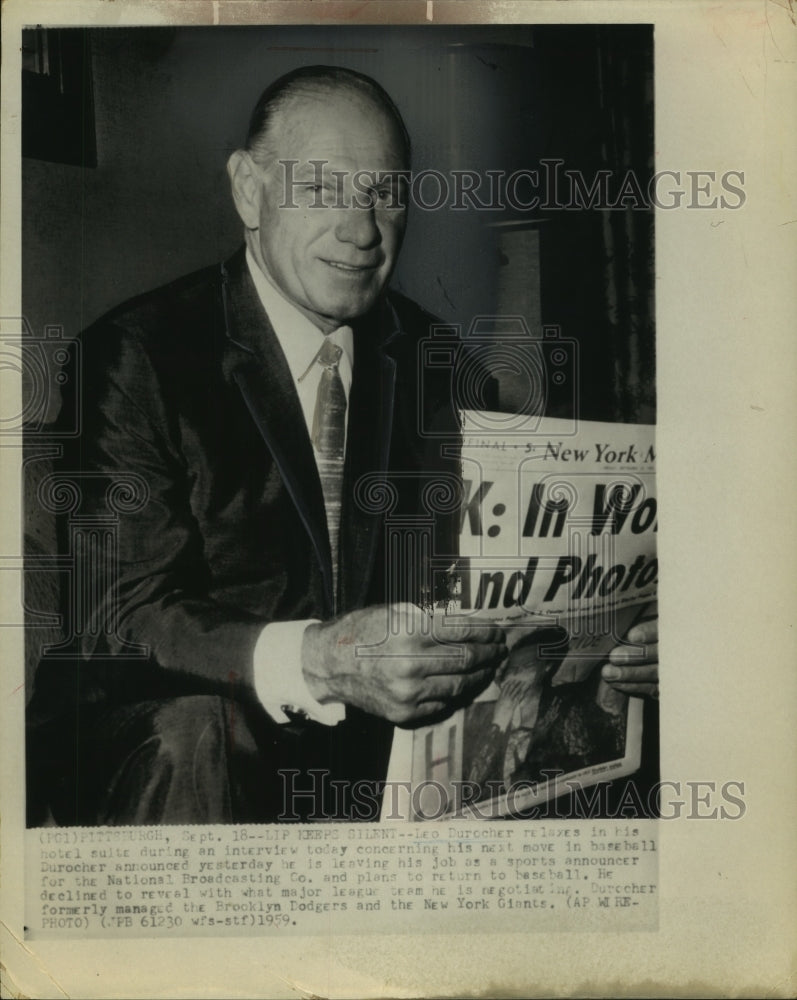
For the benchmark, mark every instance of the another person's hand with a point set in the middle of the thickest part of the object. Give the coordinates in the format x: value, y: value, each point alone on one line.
x: 636, y: 671
x: 507, y: 702
x: 386, y: 660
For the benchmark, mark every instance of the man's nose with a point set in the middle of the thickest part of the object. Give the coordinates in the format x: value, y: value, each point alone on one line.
x: 357, y: 225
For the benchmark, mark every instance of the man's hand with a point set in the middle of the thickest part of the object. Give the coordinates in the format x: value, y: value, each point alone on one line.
x: 388, y: 661
x: 636, y: 672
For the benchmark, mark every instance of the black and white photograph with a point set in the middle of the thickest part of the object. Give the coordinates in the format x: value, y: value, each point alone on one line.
x: 201, y: 496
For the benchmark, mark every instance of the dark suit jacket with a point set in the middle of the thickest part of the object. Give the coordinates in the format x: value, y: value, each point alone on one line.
x: 200, y: 516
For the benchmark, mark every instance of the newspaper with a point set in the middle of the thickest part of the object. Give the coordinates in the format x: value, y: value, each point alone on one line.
x: 557, y: 546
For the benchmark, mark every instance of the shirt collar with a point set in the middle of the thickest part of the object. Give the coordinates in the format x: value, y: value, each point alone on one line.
x: 299, y: 339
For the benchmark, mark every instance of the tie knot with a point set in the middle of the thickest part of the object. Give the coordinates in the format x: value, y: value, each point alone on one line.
x: 330, y: 353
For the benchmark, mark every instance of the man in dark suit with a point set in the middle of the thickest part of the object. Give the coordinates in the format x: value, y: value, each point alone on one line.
x: 234, y: 645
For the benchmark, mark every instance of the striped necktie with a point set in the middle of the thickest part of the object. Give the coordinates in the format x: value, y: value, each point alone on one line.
x: 329, y: 429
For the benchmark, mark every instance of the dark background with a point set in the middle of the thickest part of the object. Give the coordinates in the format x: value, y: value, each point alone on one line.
x: 157, y: 111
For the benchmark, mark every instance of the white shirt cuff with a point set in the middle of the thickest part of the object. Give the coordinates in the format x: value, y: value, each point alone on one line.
x: 279, y: 680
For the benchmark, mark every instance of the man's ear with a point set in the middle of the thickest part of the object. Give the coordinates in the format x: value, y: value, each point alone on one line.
x: 246, y: 187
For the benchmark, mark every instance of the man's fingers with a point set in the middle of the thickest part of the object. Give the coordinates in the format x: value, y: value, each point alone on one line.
x: 642, y: 680
x: 644, y: 632
x: 465, y: 659
x: 617, y: 676
x: 448, y: 688
x: 629, y: 655
x: 427, y: 708
x: 409, y: 713
x: 639, y: 690
x: 443, y: 630
x: 641, y: 645
x: 469, y: 632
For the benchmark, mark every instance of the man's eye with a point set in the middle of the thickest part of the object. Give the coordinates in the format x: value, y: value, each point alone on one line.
x: 387, y: 197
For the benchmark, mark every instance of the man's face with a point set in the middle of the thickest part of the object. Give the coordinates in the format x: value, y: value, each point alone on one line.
x: 330, y: 248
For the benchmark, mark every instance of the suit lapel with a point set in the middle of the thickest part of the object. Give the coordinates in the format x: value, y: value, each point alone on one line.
x: 255, y: 362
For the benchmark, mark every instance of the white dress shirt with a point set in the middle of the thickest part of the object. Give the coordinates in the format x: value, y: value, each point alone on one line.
x: 279, y: 681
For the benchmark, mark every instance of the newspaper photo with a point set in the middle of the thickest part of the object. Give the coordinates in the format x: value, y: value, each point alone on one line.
x: 557, y: 545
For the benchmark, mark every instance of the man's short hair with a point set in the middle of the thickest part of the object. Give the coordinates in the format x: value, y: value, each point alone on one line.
x: 309, y: 79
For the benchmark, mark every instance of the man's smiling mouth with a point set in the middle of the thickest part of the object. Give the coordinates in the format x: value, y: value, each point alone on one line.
x: 352, y: 268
